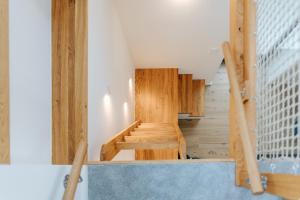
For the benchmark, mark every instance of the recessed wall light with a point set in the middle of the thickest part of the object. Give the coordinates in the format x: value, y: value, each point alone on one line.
x: 130, y: 84
x: 125, y: 107
x: 107, y: 96
x: 106, y: 99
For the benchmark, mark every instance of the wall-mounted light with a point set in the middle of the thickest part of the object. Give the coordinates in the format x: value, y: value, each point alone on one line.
x: 107, y: 96
x: 130, y: 84
x: 125, y: 107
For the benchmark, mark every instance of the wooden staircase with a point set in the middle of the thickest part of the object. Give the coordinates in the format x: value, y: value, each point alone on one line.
x: 151, y: 141
x: 190, y: 95
x: 160, y: 93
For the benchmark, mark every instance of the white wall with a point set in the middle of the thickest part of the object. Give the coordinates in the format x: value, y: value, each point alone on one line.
x: 38, y: 182
x: 110, y: 66
x: 30, y: 81
x: 183, y: 33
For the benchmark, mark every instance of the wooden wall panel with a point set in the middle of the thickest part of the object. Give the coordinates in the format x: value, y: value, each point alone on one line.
x: 4, y: 84
x: 69, y: 78
x: 198, y: 100
x: 156, y: 92
x: 208, y: 137
x: 185, y: 93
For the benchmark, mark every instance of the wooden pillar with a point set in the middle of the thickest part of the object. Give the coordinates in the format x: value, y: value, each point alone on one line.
x: 237, y: 48
x: 249, y: 82
x: 69, y: 78
x: 4, y: 84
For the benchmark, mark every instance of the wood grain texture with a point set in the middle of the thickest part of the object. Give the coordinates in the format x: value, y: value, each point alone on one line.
x: 78, y: 162
x: 284, y: 185
x: 109, y: 149
x: 249, y: 152
x: 69, y: 78
x: 182, y: 149
x: 185, y: 93
x: 148, y: 145
x: 156, y: 92
x: 208, y: 137
x: 198, y: 101
x: 237, y: 48
x: 150, y: 138
x: 4, y: 84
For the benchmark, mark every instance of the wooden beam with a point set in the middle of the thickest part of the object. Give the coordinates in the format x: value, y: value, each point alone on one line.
x: 237, y: 48
x: 4, y: 84
x: 249, y: 153
x: 151, y: 138
x: 249, y: 66
x: 147, y: 146
x: 69, y: 78
x: 284, y: 185
x: 109, y: 149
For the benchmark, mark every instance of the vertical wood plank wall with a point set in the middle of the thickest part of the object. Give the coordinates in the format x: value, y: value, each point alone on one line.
x: 198, y: 100
x: 69, y: 78
x: 4, y: 84
x: 185, y: 93
x: 156, y: 93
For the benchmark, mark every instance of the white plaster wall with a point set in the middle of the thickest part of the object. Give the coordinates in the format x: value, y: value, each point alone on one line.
x: 38, y: 182
x: 183, y: 33
x: 110, y: 71
x: 30, y: 81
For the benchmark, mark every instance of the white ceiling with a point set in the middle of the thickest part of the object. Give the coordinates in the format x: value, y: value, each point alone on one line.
x: 183, y: 33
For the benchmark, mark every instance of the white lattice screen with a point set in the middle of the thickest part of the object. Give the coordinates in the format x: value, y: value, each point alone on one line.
x: 278, y: 80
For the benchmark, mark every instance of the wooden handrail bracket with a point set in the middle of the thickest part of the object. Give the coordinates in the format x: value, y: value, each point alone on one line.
x: 252, y: 168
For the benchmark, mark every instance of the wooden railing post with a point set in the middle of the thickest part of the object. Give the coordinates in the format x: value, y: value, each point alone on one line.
x: 76, y: 170
x: 252, y: 168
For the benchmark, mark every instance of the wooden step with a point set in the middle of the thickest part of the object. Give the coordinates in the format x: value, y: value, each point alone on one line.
x: 185, y: 93
x: 151, y: 138
x: 155, y: 129
x: 154, y: 133
x: 148, y: 145
x: 156, y: 125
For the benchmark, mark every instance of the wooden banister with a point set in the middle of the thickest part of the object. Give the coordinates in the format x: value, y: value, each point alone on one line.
x: 109, y: 150
x: 252, y: 168
x: 75, y: 171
